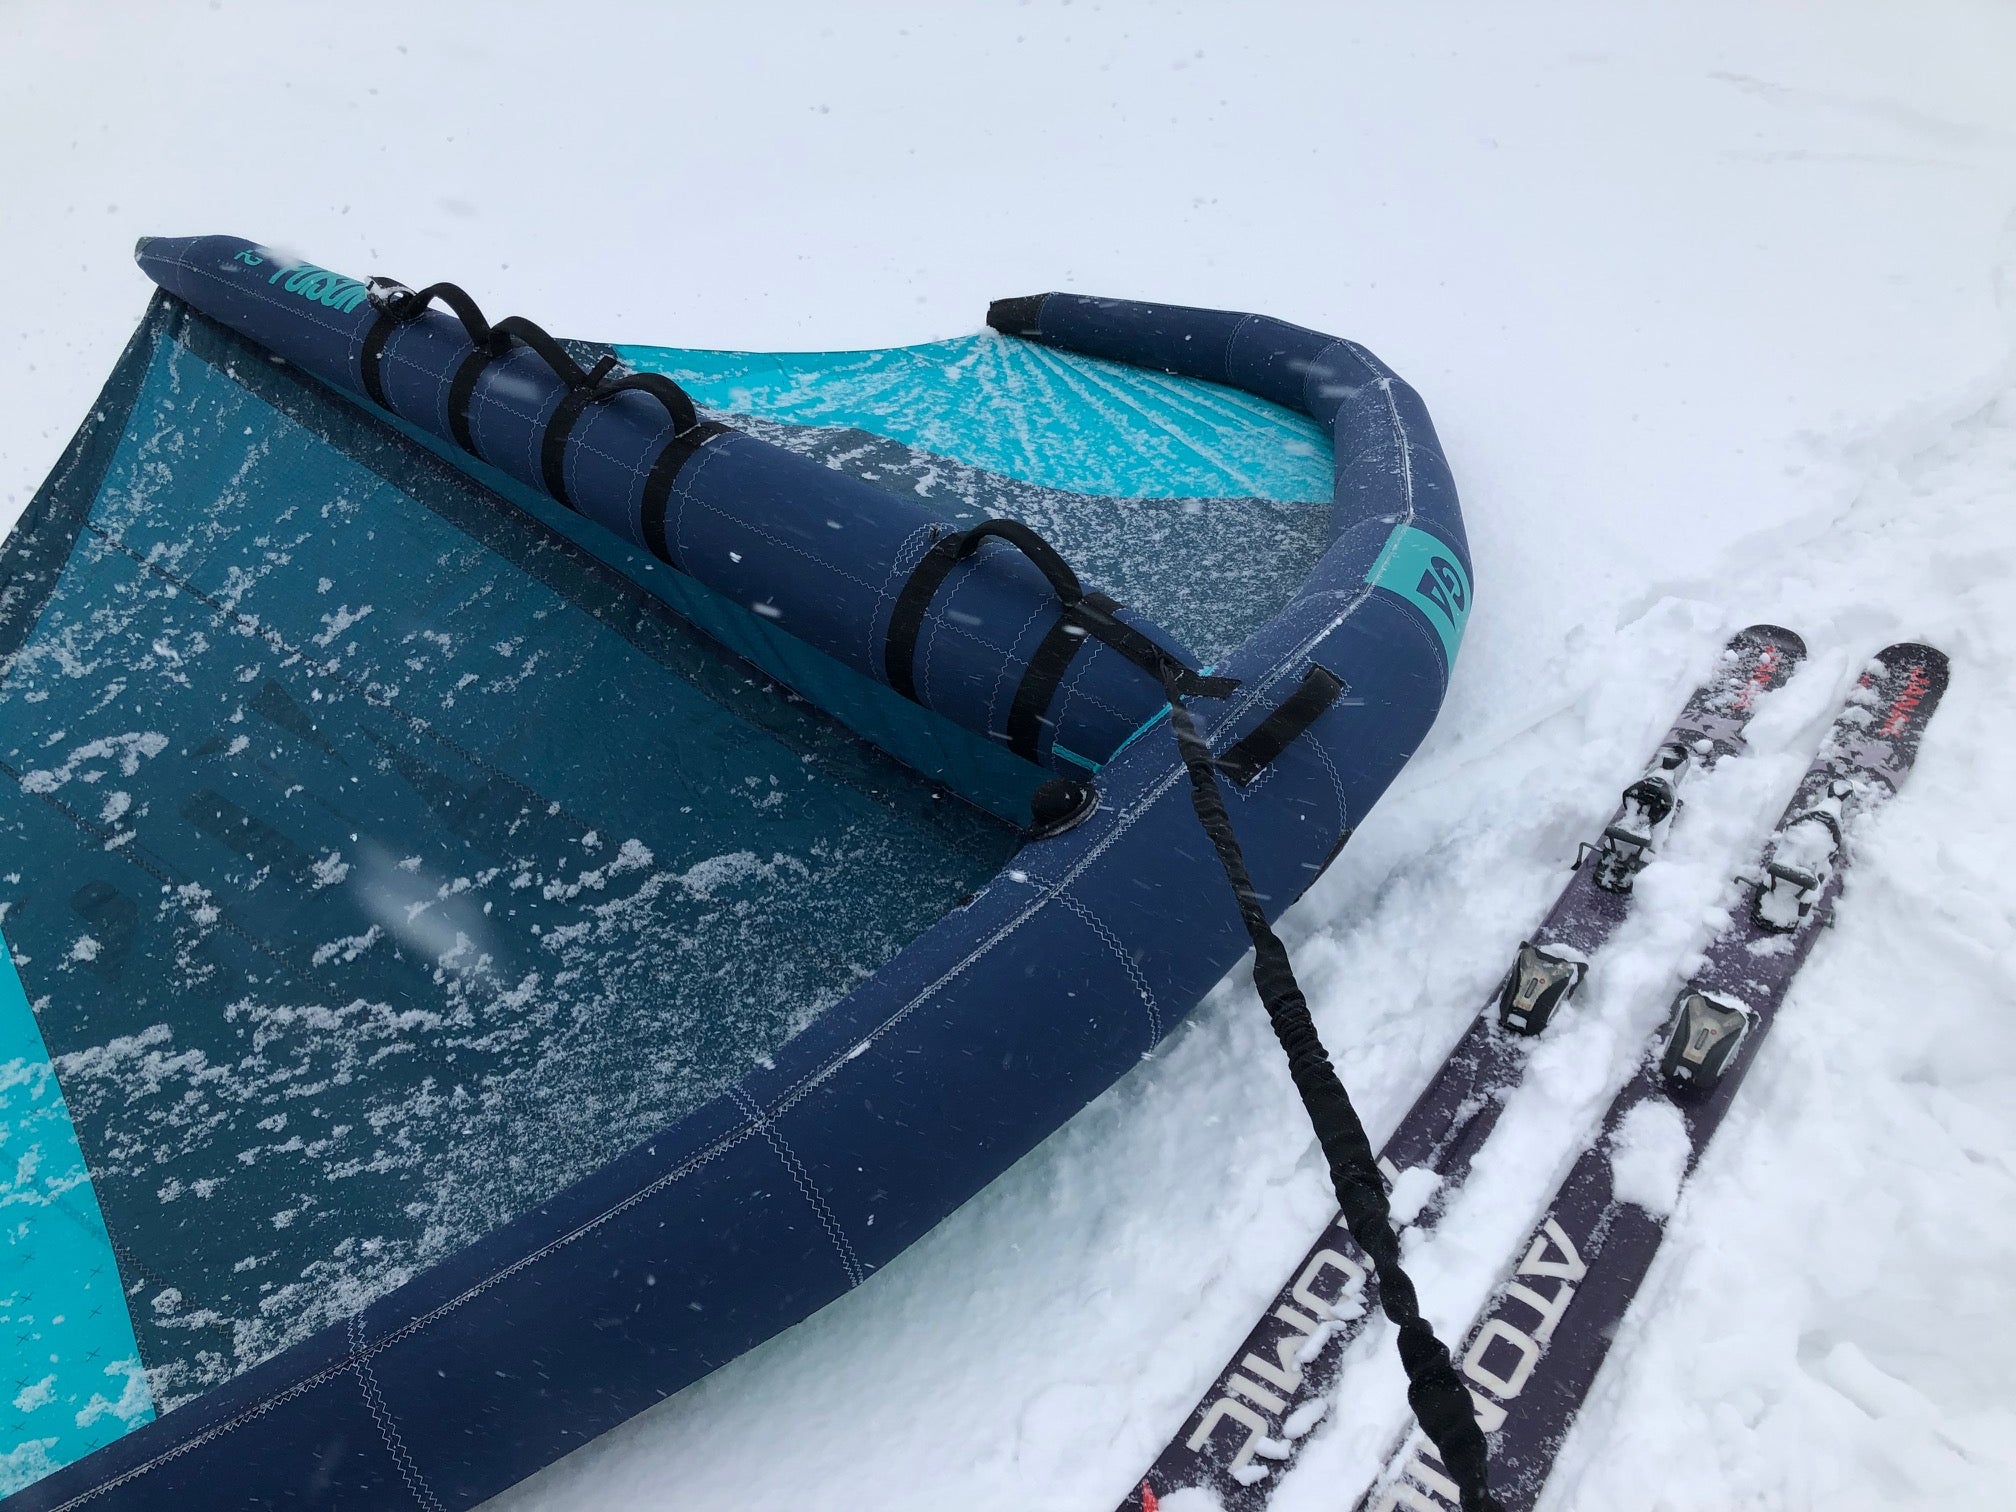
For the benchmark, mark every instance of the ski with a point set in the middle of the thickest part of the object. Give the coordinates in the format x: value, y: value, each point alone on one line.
x: 1247, y: 1428
x: 1537, y: 1348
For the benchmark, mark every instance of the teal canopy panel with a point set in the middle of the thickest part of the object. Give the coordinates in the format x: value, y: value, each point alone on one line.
x: 1052, y: 418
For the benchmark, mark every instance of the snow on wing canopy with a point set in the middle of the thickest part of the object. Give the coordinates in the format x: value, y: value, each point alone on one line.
x: 1154, y: 486
x: 358, y: 834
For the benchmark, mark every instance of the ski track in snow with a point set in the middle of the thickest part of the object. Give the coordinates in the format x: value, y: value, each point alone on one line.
x: 1714, y: 307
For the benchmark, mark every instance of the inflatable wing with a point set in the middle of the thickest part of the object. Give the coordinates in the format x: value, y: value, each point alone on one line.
x: 530, y: 867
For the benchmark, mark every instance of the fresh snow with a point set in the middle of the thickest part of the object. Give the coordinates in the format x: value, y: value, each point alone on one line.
x: 1648, y: 1157
x: 1715, y: 307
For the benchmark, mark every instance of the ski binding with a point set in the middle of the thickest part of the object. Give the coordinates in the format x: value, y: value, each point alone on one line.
x: 1708, y: 1030
x: 1649, y: 806
x: 1802, y: 858
x: 1541, y: 980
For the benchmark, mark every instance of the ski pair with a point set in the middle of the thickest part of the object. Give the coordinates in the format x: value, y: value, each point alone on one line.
x: 1536, y: 1350
x: 1249, y: 1424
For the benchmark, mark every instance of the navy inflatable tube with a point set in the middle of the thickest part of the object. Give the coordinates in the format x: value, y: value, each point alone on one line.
x: 1380, y: 427
x: 821, y: 554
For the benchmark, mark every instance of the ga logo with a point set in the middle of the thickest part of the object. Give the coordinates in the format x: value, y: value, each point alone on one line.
x: 1442, y: 586
x: 1428, y: 573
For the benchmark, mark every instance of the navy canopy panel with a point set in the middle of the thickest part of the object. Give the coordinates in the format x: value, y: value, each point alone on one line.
x: 481, y: 959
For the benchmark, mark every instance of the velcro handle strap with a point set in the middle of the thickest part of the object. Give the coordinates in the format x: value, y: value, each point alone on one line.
x: 487, y: 348
x: 1085, y: 617
x: 517, y: 328
x: 398, y: 305
x: 1102, y: 623
x: 658, y: 486
x: 1255, y: 751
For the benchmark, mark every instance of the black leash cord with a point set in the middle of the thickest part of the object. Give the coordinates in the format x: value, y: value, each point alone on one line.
x: 1434, y: 1390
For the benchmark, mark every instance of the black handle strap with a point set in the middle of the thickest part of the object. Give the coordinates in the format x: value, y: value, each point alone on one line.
x: 595, y: 388
x: 1256, y: 750
x: 1056, y: 571
x: 1046, y: 669
x: 560, y: 425
x: 516, y: 328
x: 658, y: 486
x: 398, y: 305
x: 1440, y: 1401
x: 906, y: 620
x: 1102, y: 624
x: 1084, y: 616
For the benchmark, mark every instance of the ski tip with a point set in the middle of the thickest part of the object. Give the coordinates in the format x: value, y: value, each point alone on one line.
x: 1907, y: 653
x: 1906, y: 682
x: 1788, y: 642
x: 1759, y: 659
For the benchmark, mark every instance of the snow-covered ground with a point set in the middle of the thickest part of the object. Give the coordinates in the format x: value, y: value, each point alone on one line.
x: 1715, y: 307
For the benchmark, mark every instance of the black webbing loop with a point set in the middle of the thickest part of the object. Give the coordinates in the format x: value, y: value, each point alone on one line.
x: 678, y: 403
x: 658, y: 486
x: 906, y: 619
x: 461, y: 390
x: 1434, y: 1390
x: 1254, y: 751
x: 1095, y: 612
x: 1056, y: 571
x: 1046, y: 669
x: 553, y: 444
x: 398, y: 305
x: 1093, y: 617
x: 492, y: 347
x: 1084, y: 616
x: 517, y: 328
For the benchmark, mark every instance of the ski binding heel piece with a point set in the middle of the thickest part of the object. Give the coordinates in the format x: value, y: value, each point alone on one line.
x: 1707, y: 1032
x: 1539, y: 982
x: 1649, y: 806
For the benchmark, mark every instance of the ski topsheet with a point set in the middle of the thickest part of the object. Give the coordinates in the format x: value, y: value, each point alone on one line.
x: 1537, y: 1348
x: 1273, y: 1390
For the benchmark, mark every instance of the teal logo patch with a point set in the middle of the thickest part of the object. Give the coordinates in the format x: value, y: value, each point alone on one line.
x: 1424, y: 571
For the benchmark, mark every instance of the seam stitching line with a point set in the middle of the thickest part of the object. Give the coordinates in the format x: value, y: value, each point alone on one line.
x: 374, y: 1400
x: 802, y: 1179
x: 1134, y: 974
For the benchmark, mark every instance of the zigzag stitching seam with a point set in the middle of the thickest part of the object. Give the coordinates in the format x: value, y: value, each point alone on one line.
x: 374, y: 1400
x: 788, y: 1158
x: 1112, y: 942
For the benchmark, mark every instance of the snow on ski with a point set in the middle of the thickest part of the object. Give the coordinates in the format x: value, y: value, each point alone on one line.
x: 1531, y: 1360
x: 1274, y: 1389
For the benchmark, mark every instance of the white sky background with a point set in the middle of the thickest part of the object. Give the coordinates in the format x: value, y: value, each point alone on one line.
x: 1715, y: 308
